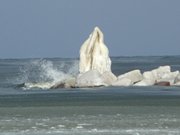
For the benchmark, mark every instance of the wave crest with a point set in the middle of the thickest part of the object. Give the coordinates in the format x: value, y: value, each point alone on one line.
x: 45, y: 74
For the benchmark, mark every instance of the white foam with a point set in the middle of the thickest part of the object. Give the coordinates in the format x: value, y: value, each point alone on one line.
x: 61, y: 126
x: 96, y: 131
x: 79, y: 127
x: 84, y: 124
x: 44, y: 74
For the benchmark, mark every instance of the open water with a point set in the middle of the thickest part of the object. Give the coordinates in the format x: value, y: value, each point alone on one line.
x: 86, y: 111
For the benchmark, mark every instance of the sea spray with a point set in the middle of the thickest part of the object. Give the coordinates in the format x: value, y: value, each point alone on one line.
x: 42, y: 73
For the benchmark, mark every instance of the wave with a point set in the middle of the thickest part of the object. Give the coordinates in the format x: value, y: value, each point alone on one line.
x: 44, y: 73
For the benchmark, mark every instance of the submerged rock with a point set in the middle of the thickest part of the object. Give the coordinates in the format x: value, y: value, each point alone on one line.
x: 163, y: 83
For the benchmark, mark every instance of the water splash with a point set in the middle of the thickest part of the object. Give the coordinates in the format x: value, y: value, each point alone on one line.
x: 44, y: 73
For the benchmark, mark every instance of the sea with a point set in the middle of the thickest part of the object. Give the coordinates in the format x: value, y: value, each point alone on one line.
x: 152, y: 110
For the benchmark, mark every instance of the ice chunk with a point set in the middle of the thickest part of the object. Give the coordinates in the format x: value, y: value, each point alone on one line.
x: 94, y: 55
x: 134, y: 76
x: 122, y: 82
x: 90, y: 78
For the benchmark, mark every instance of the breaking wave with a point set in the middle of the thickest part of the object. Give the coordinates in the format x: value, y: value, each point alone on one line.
x: 44, y: 73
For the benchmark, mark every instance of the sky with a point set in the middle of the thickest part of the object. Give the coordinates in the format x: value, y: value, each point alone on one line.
x: 58, y: 28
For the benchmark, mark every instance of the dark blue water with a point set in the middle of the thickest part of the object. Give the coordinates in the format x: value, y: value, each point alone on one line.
x: 85, y: 111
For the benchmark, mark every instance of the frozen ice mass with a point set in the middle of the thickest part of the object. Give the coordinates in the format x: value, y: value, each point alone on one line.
x: 95, y: 70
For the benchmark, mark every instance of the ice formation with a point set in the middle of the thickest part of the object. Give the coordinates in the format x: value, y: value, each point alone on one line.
x: 95, y: 63
x: 95, y: 70
x: 94, y: 55
x: 161, y: 74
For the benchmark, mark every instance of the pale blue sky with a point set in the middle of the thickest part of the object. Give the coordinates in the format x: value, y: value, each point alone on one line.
x: 57, y: 28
